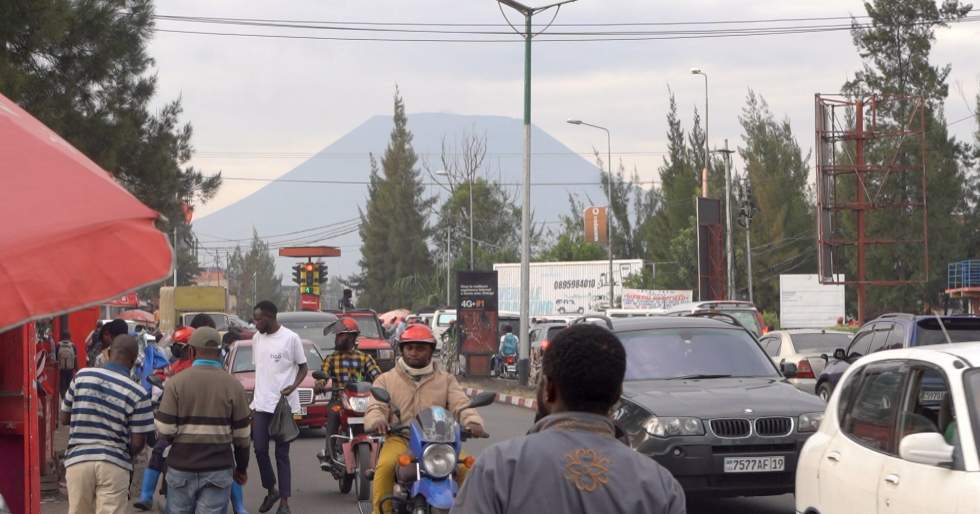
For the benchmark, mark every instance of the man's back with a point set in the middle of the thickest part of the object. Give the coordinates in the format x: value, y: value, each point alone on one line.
x: 571, y: 464
x: 508, y: 344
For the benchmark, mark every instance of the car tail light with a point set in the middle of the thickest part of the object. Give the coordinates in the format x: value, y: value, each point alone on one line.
x: 511, y: 359
x: 544, y: 345
x: 804, y: 370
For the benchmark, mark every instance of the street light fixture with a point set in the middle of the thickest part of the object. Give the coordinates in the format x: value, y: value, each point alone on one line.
x: 525, y: 347
x: 609, y: 208
x: 704, y: 173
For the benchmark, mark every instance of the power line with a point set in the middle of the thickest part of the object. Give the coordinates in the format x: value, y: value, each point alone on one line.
x: 366, y: 182
x: 216, y: 154
x: 273, y: 236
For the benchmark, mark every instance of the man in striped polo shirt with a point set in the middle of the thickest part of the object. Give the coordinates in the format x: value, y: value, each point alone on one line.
x: 205, y: 414
x: 109, y: 416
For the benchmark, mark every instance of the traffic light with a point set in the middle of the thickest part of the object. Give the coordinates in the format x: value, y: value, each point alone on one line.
x: 309, y: 283
x: 321, y: 273
x: 298, y: 274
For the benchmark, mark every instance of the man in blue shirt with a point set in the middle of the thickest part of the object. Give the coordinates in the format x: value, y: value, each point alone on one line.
x: 508, y: 346
x: 109, y: 415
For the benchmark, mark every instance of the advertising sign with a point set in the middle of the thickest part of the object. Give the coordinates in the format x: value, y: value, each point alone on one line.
x: 596, y: 225
x: 476, y: 314
x: 655, y: 298
x: 130, y: 300
x: 806, y: 303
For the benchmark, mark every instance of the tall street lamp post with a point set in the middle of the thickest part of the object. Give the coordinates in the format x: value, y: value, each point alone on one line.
x: 612, y: 298
x: 525, y: 347
x: 704, y: 173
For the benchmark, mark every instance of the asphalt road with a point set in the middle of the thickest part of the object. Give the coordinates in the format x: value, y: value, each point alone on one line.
x: 316, y: 491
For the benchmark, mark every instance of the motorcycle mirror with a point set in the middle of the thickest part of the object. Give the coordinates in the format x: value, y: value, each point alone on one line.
x: 381, y: 395
x: 319, y: 375
x: 482, y: 400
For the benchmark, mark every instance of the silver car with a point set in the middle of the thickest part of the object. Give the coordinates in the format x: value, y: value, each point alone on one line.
x: 808, y: 349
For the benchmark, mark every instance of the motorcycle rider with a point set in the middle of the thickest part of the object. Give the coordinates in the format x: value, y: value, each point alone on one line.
x: 345, y: 365
x: 414, y: 384
x: 508, y: 347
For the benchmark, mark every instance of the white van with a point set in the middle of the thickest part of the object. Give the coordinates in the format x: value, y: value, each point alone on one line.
x: 440, y: 324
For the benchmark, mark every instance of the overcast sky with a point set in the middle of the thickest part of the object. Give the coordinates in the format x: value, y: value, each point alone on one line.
x: 249, y: 96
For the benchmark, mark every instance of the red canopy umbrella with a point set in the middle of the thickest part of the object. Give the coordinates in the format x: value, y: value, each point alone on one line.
x: 72, y: 236
x: 137, y: 315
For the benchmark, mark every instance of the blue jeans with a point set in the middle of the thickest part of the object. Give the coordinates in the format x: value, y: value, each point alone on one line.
x: 207, y: 492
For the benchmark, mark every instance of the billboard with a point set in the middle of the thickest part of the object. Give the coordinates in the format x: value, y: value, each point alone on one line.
x: 596, y: 225
x: 564, y: 287
x: 805, y: 303
x: 476, y: 314
x: 655, y: 298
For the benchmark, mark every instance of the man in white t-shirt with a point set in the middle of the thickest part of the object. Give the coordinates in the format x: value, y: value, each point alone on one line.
x: 280, y: 367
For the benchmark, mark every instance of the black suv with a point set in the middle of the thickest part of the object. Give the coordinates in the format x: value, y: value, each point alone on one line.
x: 703, y: 399
x: 893, y: 331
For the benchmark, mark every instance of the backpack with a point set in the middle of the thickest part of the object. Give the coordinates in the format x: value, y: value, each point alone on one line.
x: 67, y: 359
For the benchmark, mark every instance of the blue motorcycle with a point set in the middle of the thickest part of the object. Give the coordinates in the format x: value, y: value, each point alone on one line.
x: 424, y: 483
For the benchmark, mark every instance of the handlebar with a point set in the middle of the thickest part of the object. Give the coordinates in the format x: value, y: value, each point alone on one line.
x: 466, y: 434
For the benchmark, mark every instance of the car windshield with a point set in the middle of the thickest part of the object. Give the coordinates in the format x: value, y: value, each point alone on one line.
x: 220, y: 320
x: 746, y: 318
x: 819, y: 343
x: 445, y: 319
x: 313, y: 331
x: 243, y: 359
x: 553, y: 331
x: 693, y: 352
x: 960, y: 330
x: 368, y: 326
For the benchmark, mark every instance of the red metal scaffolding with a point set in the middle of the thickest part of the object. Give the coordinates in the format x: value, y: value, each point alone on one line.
x: 881, y: 142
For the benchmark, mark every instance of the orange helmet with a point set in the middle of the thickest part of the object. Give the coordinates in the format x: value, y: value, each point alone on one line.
x: 346, y: 325
x: 183, y: 335
x: 417, y: 334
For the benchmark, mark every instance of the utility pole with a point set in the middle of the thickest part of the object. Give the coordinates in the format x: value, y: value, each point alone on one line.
x: 449, y: 261
x: 525, y: 348
x: 730, y: 263
x: 472, y: 267
x: 746, y: 211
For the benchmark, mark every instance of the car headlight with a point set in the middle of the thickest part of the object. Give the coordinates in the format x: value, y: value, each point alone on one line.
x: 809, y: 422
x: 673, y: 426
x: 358, y: 403
x: 386, y: 354
x: 439, y: 460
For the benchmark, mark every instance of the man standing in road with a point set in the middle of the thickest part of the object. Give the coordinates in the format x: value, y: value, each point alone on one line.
x: 109, y: 415
x: 280, y: 367
x: 67, y: 362
x: 204, y: 414
x: 571, y: 461
x: 110, y: 331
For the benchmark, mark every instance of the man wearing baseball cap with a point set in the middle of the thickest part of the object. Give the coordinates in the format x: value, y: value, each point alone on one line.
x: 209, y: 434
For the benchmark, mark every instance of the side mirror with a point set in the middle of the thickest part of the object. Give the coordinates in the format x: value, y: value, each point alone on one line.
x: 840, y: 354
x: 381, y: 395
x: 927, y: 448
x: 482, y: 400
x: 788, y: 369
x: 825, y: 357
x: 155, y: 381
x: 319, y: 375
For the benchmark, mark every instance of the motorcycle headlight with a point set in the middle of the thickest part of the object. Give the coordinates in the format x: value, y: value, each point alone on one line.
x: 809, y: 422
x: 673, y: 426
x: 358, y: 403
x: 439, y: 460
x: 386, y: 355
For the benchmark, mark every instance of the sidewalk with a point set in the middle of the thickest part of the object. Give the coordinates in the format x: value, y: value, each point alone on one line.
x: 508, y: 391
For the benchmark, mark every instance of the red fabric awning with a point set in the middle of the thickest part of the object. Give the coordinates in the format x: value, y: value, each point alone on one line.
x: 71, y: 236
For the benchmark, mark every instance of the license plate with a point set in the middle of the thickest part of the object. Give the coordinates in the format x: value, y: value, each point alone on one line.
x: 754, y: 464
x: 355, y: 421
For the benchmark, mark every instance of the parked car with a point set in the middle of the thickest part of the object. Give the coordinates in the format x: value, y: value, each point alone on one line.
x: 899, y: 436
x: 702, y: 399
x: 893, y: 331
x: 809, y: 349
x: 745, y: 312
x: 372, y: 339
x: 312, y: 326
x: 441, y: 319
x: 565, y: 305
x: 313, y: 412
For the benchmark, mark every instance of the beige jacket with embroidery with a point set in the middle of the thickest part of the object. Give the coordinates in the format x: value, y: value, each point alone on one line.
x: 439, y: 388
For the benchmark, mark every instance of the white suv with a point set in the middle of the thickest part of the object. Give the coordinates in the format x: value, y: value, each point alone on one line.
x: 898, y: 437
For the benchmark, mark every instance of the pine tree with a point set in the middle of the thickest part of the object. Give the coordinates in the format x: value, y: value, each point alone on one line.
x: 394, y: 229
x: 252, y: 277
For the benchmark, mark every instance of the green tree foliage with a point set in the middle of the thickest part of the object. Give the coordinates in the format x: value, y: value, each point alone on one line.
x: 82, y: 69
x: 252, y: 277
x: 496, y: 226
x: 896, y: 49
x: 783, y: 227
x: 394, y: 229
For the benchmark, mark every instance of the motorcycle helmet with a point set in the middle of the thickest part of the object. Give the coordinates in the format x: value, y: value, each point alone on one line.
x: 417, y: 334
x: 346, y: 325
x: 181, y: 341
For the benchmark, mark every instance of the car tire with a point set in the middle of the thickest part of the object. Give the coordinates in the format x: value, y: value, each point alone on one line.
x: 824, y: 391
x: 581, y: 310
x: 561, y: 310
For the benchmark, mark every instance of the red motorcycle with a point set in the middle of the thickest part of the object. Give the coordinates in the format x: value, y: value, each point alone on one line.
x: 355, y: 452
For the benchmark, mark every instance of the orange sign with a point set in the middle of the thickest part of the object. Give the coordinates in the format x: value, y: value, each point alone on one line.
x: 596, y: 225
